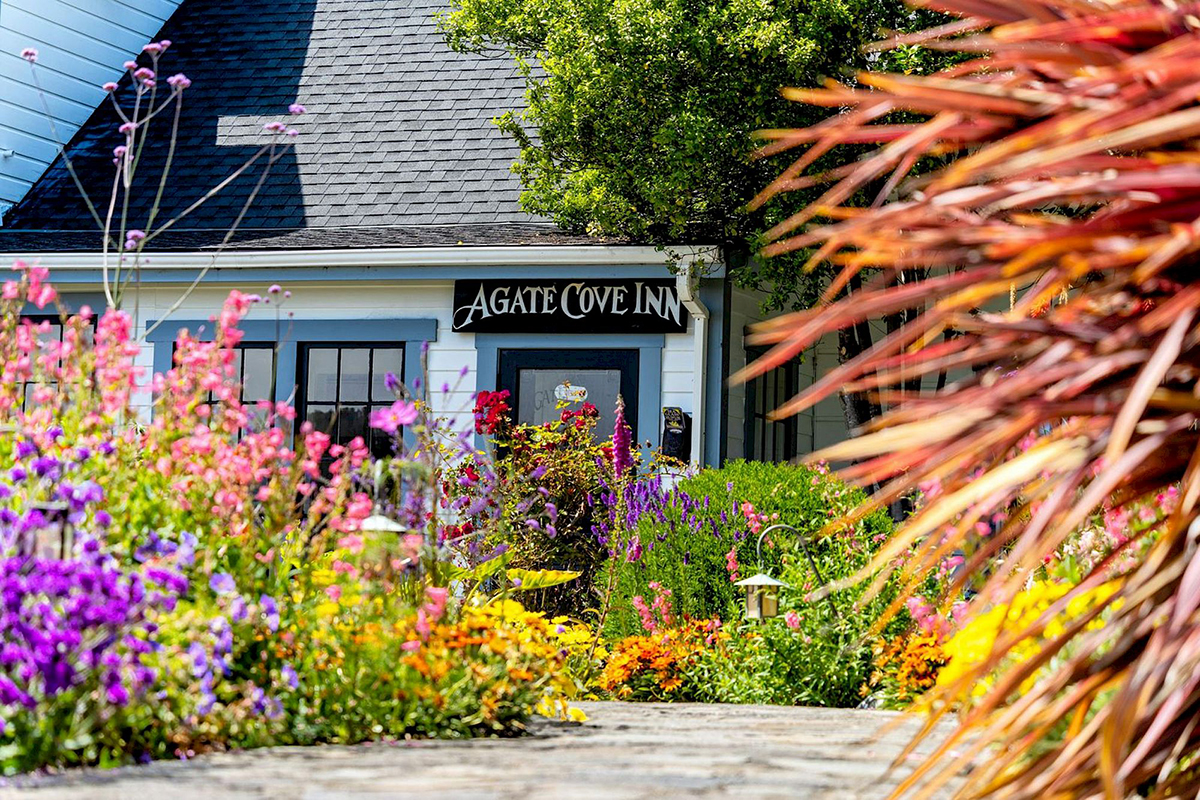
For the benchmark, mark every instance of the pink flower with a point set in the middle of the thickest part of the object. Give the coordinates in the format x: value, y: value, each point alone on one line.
x: 334, y: 592
x: 411, y: 646
x: 179, y: 81
x: 622, y: 440
x: 132, y: 238
x: 153, y: 48
x: 274, y: 127
x: 296, y: 109
x: 395, y: 416
x: 127, y: 127
x: 110, y: 86
x: 29, y: 54
x: 792, y: 619
x: 437, y: 600
x: 130, y: 65
x: 274, y: 288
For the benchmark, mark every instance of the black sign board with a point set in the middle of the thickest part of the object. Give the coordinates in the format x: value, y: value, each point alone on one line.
x: 568, y: 306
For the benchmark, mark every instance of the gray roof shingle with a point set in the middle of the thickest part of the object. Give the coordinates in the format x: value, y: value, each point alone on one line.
x: 399, y: 133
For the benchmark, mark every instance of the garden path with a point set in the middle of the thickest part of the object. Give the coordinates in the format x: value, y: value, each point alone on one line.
x: 623, y: 751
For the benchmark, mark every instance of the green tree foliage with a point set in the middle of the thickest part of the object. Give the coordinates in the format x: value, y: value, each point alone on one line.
x: 640, y: 112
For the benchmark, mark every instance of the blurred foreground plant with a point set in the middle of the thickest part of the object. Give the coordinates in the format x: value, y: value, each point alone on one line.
x: 1048, y: 191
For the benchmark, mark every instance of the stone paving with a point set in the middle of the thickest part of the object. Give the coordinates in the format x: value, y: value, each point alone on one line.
x: 623, y: 751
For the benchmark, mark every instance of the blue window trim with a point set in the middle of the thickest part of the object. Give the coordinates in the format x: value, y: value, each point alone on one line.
x: 649, y: 347
x: 289, y: 334
x: 73, y: 301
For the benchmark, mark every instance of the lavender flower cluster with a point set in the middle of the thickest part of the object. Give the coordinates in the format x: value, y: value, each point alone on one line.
x: 77, y: 622
x: 653, y: 498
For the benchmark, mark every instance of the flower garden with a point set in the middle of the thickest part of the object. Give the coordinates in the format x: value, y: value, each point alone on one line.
x: 218, y: 576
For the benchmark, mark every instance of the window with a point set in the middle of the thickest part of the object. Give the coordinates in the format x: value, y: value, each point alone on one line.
x: 767, y: 440
x: 342, y: 385
x: 539, y: 380
x: 53, y: 333
x: 254, y: 371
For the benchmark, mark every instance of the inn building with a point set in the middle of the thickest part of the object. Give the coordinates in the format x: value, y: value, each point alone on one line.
x: 395, y: 224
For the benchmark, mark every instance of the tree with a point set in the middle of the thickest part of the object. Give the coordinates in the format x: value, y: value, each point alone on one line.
x: 1071, y: 205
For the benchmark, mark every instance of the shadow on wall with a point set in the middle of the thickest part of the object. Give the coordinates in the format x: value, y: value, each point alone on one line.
x: 217, y: 44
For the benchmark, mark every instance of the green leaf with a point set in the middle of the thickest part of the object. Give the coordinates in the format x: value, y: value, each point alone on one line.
x: 539, y: 578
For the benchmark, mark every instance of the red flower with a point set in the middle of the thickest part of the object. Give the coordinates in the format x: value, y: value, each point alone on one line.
x: 491, y: 411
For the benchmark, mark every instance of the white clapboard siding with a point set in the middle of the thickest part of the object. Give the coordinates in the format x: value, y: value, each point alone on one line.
x: 81, y: 44
x: 447, y: 356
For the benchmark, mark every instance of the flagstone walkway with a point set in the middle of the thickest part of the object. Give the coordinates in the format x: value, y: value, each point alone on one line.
x: 623, y: 751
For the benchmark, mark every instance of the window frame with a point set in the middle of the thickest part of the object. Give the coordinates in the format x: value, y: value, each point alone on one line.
x: 302, y: 401
x: 761, y: 434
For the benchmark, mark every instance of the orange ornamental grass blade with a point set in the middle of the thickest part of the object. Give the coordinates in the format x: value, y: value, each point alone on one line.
x: 1061, y: 249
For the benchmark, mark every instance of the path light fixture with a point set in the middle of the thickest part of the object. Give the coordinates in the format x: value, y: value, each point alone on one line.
x: 379, y: 524
x: 762, y: 591
x: 762, y: 596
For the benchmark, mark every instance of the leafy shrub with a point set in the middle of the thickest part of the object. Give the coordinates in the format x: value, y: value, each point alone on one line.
x: 545, y: 477
x: 693, y: 538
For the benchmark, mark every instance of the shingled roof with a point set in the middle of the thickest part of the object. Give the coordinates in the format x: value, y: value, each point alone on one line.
x: 397, y: 148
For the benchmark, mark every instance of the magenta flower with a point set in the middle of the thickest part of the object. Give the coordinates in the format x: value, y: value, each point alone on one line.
x: 622, y: 440
x: 29, y: 54
x: 395, y: 416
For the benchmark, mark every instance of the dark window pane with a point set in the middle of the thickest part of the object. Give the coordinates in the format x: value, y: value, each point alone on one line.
x: 382, y: 443
x: 322, y: 374
x: 386, y: 359
x: 322, y: 417
x: 356, y: 375
x: 256, y: 373
x: 352, y: 421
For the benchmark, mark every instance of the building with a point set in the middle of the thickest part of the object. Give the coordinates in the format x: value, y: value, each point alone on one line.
x: 395, y: 221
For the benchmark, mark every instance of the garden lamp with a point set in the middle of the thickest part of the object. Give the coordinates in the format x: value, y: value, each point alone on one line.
x: 767, y: 583
x: 762, y: 596
x: 378, y: 523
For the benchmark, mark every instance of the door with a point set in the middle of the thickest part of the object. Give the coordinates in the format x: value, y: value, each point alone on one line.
x: 539, y: 381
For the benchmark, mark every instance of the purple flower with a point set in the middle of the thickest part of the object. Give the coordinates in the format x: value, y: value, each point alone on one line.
x: 199, y: 658
x: 270, y: 610
x: 289, y: 676
x: 222, y: 583
x: 237, y: 609
x: 391, y: 382
x: 297, y: 109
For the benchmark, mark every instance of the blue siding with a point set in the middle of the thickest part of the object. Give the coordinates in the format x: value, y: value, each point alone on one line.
x: 81, y: 44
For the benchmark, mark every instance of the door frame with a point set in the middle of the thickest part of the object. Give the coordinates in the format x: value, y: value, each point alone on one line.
x: 510, y: 360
